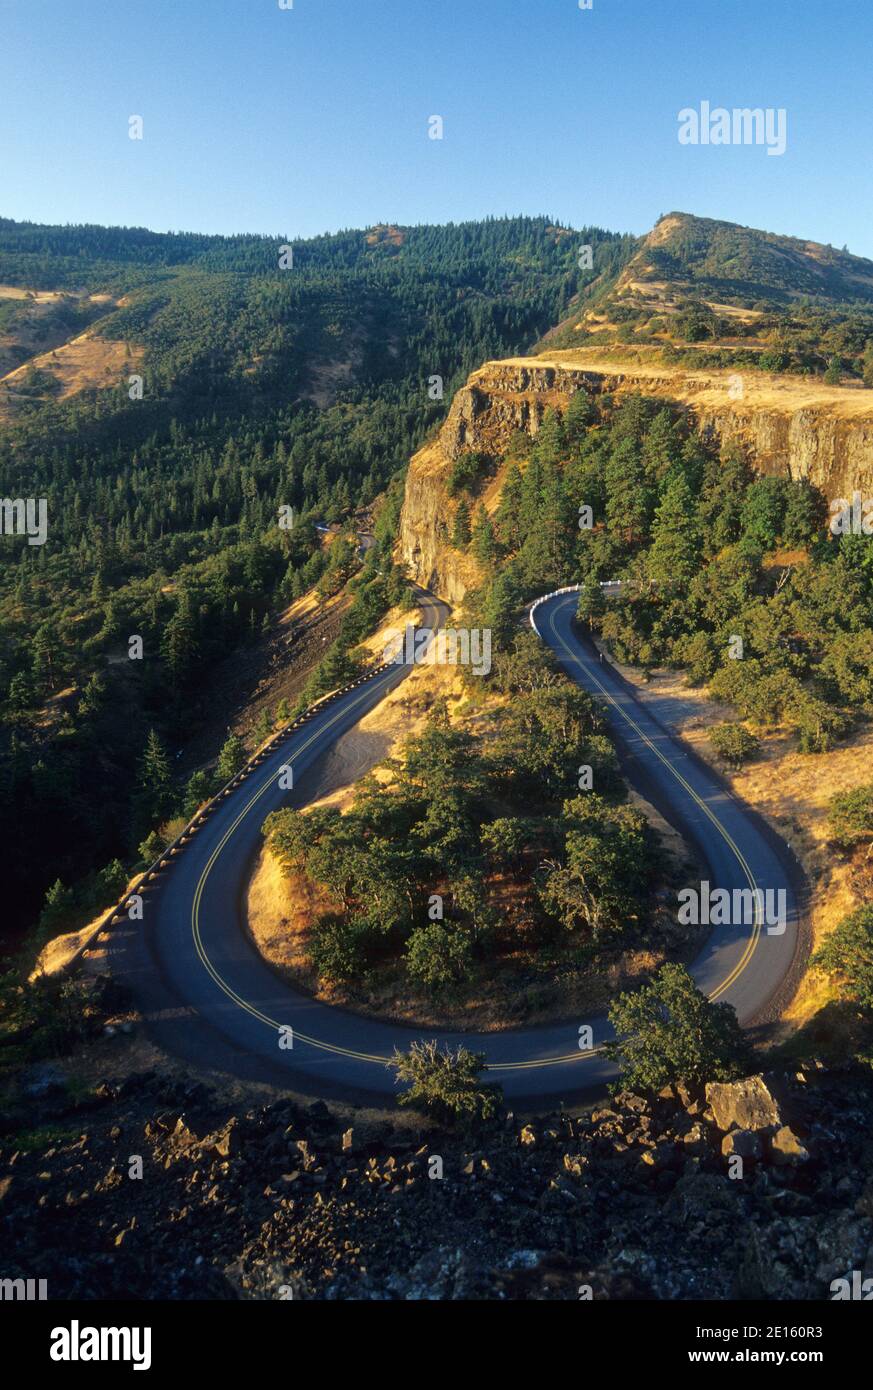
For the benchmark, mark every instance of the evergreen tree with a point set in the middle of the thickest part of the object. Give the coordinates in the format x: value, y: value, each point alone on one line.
x: 805, y: 513
x: 484, y: 542
x: 45, y: 650
x: 674, y: 555
x: 508, y: 515
x: 263, y: 726
x: 580, y: 413
x: 502, y: 600
x: 550, y: 446
x: 198, y: 790
x: 21, y: 695
x: 180, y: 646
x: 230, y: 759
x: 530, y: 499
x: 720, y: 509
x: 629, y: 498
x: 155, y: 782
x: 662, y: 447
x: 763, y: 512
x: 59, y: 903
x: 461, y: 532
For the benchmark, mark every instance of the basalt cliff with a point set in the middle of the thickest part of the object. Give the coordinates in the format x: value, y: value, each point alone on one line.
x: 790, y: 426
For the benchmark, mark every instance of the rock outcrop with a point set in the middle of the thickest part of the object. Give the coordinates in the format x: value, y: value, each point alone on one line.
x: 747, y: 1104
x: 789, y: 426
x: 425, y: 528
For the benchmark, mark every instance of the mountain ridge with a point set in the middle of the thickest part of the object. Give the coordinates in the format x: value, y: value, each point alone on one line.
x: 701, y: 284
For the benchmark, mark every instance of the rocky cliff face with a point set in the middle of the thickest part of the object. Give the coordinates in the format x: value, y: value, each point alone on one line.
x: 426, y: 523
x: 789, y: 427
x: 836, y: 454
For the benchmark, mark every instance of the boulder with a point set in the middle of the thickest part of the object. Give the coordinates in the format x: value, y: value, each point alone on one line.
x: 742, y: 1143
x: 182, y: 1134
x: 786, y: 1148
x: 227, y: 1143
x: 637, y: 1105
x: 690, y: 1098
x: 747, y: 1104
x: 695, y: 1141
x: 658, y: 1158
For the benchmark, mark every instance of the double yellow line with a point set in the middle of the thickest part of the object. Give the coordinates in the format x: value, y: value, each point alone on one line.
x: 707, y: 811
x: 198, y: 894
x: 491, y: 1066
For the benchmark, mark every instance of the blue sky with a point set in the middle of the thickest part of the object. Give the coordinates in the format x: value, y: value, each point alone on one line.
x: 310, y: 119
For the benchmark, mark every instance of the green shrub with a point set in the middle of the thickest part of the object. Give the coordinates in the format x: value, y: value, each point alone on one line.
x: 850, y: 816
x: 446, y: 1084
x: 339, y: 948
x: 847, y: 957
x: 669, y: 1031
x: 734, y: 743
x: 439, y: 957
x: 466, y: 472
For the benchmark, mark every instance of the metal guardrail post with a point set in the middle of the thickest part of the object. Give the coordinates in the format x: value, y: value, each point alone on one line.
x: 164, y: 859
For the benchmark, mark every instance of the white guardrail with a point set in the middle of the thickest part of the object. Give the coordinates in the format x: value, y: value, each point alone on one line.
x: 567, y: 589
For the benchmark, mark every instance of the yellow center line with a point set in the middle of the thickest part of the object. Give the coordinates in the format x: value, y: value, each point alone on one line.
x: 370, y: 1057
x: 195, y: 911
x: 708, y: 812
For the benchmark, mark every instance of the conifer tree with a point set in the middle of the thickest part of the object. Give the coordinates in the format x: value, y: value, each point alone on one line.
x: 461, y: 532
x: 577, y: 417
x: 551, y: 442
x: 628, y: 501
x: 484, y: 541
x: 154, y: 783
x: 674, y: 555
x: 231, y: 758
x: 508, y: 515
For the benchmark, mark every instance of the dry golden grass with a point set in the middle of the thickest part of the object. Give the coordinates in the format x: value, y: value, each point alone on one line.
x: 792, y: 791
x: 85, y: 363
x: 57, y: 953
x: 490, y: 497
x: 281, y: 908
x: 52, y: 296
x: 664, y: 230
x: 395, y: 622
x: 733, y: 311
x: 35, y: 296
x: 707, y: 388
x: 308, y: 604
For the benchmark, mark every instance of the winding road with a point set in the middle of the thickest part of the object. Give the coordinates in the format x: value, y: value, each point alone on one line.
x: 208, y: 996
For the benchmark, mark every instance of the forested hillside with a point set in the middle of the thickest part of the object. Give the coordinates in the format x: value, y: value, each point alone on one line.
x: 262, y: 387
x: 709, y: 294
x: 733, y: 577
